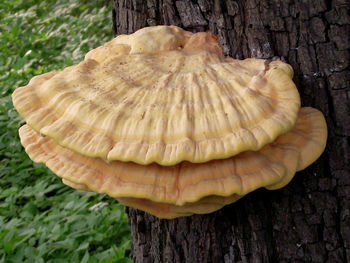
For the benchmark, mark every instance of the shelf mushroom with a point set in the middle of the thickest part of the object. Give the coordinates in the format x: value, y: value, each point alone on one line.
x: 162, y: 121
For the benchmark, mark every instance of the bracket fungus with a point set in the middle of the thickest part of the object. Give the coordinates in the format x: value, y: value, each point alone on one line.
x: 163, y: 122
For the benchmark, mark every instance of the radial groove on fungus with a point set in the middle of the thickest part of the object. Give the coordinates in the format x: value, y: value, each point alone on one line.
x: 272, y: 167
x: 148, y: 101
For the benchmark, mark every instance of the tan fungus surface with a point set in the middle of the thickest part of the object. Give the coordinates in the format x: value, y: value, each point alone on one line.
x: 203, y: 206
x: 162, y: 95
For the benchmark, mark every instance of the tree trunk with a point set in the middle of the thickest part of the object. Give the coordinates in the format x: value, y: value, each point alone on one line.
x: 309, y: 219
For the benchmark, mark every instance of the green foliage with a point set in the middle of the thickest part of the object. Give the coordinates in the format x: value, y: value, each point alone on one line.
x: 41, y: 220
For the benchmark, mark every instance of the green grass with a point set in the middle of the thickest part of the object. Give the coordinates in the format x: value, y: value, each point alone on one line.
x: 42, y: 220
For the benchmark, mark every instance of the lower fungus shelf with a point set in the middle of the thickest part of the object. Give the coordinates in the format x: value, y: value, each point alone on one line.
x: 186, y: 188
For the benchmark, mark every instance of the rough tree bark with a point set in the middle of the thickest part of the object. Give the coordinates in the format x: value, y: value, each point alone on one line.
x: 308, y: 220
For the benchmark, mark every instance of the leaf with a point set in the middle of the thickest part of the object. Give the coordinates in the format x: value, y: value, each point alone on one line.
x: 86, y: 257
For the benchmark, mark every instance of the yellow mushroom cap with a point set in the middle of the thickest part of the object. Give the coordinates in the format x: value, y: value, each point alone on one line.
x: 162, y: 95
x: 205, y: 205
x: 168, y: 211
x: 186, y: 183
